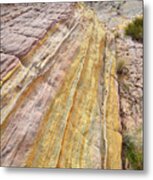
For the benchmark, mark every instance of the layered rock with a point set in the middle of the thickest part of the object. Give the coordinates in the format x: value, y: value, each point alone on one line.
x: 59, y: 90
x: 116, y: 15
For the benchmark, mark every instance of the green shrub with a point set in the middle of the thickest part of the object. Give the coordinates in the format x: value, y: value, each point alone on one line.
x: 135, y: 29
x: 133, y: 153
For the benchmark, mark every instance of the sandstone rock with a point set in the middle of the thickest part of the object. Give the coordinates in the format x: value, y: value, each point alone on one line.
x: 8, y: 64
x: 60, y: 105
x: 46, y: 122
x: 132, y: 53
x: 16, y: 44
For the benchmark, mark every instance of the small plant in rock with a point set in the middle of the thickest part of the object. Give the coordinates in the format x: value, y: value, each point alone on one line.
x: 121, y: 68
x: 116, y: 34
x: 122, y: 73
x: 135, y: 29
x: 133, y: 153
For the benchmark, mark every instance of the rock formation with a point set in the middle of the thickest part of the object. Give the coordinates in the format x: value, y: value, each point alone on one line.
x: 116, y: 15
x: 60, y: 105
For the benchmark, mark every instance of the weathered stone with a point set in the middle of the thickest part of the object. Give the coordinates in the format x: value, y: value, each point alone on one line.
x: 61, y: 107
x: 132, y: 53
x: 46, y: 90
x: 16, y: 44
x: 8, y: 63
x: 29, y: 31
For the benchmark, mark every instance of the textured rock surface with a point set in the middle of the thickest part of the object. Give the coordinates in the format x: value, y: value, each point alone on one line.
x: 116, y: 15
x: 59, y: 90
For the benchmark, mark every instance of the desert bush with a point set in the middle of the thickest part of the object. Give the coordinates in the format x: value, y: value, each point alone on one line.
x: 135, y: 29
x: 133, y: 153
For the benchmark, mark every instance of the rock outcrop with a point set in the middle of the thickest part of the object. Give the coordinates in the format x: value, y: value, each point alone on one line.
x: 60, y: 105
x: 116, y: 15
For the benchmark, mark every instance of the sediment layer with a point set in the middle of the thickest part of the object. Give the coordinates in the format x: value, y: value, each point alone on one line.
x: 60, y: 104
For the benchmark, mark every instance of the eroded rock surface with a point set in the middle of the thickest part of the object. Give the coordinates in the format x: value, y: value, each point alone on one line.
x: 60, y: 105
x: 116, y: 15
